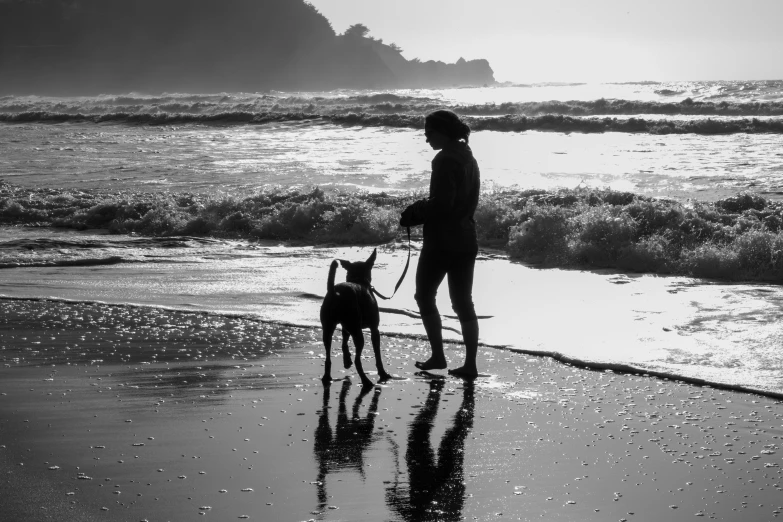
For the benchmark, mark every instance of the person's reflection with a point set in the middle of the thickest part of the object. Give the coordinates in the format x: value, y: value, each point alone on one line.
x: 346, y: 445
x: 436, y: 488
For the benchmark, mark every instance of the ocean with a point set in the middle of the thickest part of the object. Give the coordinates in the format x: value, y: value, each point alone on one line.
x: 134, y: 200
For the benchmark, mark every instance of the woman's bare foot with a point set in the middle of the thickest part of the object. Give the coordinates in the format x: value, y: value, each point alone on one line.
x: 464, y: 372
x: 432, y: 363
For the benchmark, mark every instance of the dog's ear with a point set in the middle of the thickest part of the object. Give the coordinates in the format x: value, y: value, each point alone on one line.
x: 345, y: 264
x: 371, y: 259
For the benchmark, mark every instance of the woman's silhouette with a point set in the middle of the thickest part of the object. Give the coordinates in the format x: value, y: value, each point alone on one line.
x: 450, y: 244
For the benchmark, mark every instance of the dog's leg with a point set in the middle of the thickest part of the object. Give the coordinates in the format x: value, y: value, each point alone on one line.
x: 328, y: 332
x: 375, y: 337
x: 358, y: 342
x: 346, y: 351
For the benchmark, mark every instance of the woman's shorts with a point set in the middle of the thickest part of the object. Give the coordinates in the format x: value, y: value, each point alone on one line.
x: 436, y: 264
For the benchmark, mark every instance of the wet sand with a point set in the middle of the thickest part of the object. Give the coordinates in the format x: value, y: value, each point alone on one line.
x: 120, y: 413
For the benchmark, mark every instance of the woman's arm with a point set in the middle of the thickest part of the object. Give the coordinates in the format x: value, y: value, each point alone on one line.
x: 443, y: 194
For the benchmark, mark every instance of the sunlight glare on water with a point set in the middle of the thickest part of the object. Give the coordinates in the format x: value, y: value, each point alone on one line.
x: 673, y: 325
x: 209, y: 158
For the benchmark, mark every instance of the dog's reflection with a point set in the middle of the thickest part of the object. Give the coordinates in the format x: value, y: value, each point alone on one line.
x: 344, y: 447
x: 436, y: 486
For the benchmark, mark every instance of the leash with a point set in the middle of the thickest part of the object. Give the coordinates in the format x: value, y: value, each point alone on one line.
x: 405, y: 271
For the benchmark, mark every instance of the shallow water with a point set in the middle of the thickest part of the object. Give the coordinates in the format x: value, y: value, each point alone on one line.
x: 208, y: 158
x: 720, y: 333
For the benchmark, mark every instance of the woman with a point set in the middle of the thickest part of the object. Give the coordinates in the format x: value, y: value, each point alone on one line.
x: 450, y: 244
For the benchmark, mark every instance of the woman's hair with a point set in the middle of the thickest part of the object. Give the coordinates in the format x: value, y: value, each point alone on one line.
x: 449, y: 124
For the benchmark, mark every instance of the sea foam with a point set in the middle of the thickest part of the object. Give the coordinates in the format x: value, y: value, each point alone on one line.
x: 737, y: 238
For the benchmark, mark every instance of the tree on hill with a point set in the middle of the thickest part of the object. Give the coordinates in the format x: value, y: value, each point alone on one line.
x: 357, y: 31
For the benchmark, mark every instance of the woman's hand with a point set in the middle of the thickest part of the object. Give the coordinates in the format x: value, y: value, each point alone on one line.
x: 414, y: 214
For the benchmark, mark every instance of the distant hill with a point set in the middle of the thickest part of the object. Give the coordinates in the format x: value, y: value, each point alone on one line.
x: 108, y: 46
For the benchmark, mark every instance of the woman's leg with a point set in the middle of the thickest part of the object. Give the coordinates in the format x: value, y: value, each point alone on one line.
x: 460, y: 280
x: 429, y: 275
x: 470, y: 334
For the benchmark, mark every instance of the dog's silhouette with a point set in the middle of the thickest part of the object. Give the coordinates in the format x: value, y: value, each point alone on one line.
x: 353, y: 306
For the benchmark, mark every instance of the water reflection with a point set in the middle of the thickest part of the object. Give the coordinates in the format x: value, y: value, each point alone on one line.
x: 436, y: 482
x: 345, y: 446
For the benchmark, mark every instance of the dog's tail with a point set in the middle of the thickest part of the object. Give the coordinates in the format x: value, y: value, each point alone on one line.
x: 330, y: 280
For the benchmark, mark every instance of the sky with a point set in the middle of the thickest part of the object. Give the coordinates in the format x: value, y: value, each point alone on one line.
x: 581, y: 40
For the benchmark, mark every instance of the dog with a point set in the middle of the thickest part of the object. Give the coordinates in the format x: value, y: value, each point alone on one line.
x: 353, y: 306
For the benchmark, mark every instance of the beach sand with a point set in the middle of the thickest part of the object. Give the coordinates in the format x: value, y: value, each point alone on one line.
x: 130, y: 413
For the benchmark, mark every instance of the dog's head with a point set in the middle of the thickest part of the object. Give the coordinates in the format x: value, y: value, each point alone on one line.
x: 359, y: 272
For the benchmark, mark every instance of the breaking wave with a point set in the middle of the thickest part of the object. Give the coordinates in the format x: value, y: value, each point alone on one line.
x: 738, y: 238
x: 505, y: 123
x: 389, y: 102
x: 675, y: 108
x: 112, y: 260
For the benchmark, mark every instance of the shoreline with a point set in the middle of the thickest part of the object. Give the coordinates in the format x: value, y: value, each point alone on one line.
x: 142, y: 401
x: 619, y: 368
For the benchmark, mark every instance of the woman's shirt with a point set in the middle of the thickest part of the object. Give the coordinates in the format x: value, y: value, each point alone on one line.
x: 454, y: 192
